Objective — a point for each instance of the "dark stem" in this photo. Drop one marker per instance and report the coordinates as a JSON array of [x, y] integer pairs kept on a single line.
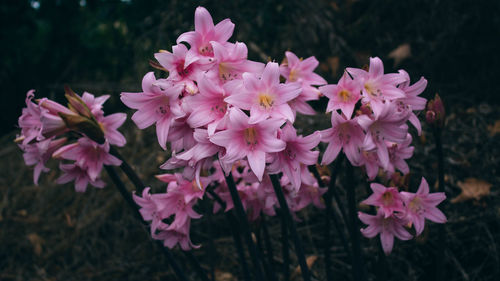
[[285, 247], [291, 226], [358, 270], [329, 214], [233, 222], [267, 241], [130, 202], [133, 177], [441, 241], [244, 226]]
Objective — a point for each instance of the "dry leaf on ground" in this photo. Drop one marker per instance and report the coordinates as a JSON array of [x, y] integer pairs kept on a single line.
[[401, 53], [472, 188], [310, 260], [37, 242], [495, 128]]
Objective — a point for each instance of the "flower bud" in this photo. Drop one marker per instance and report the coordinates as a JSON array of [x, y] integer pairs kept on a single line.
[[84, 125], [435, 113], [75, 103]]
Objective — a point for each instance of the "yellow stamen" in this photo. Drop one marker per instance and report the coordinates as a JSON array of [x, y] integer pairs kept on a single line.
[[294, 75], [250, 135], [345, 95], [387, 198], [265, 101]]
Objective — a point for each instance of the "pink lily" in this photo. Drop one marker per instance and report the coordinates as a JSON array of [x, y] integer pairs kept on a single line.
[[253, 141], [266, 97]]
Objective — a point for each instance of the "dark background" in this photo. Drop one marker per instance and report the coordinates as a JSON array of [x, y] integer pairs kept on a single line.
[[104, 46], [50, 232]]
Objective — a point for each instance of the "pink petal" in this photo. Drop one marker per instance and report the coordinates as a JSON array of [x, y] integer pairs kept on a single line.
[[203, 22], [257, 162]]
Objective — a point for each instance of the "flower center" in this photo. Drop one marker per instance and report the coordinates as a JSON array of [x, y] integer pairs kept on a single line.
[[225, 73], [183, 72], [372, 91], [266, 101], [387, 198], [344, 95], [415, 205], [250, 136], [206, 50], [294, 75]]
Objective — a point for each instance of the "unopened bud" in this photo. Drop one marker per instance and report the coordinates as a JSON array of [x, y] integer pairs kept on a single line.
[[84, 125], [75, 103], [435, 113]]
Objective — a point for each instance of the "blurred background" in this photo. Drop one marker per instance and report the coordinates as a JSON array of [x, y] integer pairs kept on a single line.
[[103, 47]]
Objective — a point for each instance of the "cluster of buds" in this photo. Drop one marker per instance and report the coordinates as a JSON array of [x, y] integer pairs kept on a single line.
[[399, 209], [78, 135], [220, 112], [370, 111]]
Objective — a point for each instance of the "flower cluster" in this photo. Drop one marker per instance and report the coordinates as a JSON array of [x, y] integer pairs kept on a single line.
[[219, 112], [44, 124], [396, 210], [370, 111]]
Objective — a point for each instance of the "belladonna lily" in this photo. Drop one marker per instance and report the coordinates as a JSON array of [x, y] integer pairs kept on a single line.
[[386, 198], [201, 50], [297, 152], [344, 134], [266, 97], [155, 105], [422, 205], [343, 95], [253, 141], [377, 87], [387, 227]]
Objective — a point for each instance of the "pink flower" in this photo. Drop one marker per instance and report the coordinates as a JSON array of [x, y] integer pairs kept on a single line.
[[298, 70], [386, 198], [172, 237], [397, 155], [29, 121], [297, 152], [180, 73], [378, 87], [387, 125], [39, 153], [79, 175], [344, 134], [244, 139], [204, 33], [208, 107], [343, 96], [388, 227], [266, 97], [422, 205], [88, 155], [155, 105], [149, 209], [231, 62], [369, 160], [412, 99]]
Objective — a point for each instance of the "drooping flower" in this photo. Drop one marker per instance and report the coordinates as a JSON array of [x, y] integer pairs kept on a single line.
[[266, 97], [387, 125], [253, 141], [79, 175], [344, 134], [422, 205], [387, 227], [297, 152], [88, 155], [39, 153]]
